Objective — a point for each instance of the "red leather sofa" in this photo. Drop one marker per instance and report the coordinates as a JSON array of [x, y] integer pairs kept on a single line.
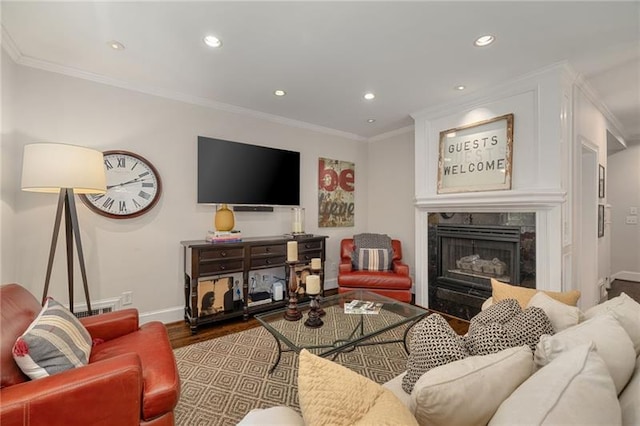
[[395, 283], [131, 378]]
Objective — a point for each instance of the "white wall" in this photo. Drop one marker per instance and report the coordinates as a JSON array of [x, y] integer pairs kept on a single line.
[[143, 255], [7, 182], [391, 190], [590, 150], [623, 192]]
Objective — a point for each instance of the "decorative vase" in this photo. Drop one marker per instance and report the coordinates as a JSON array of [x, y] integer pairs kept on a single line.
[[224, 220]]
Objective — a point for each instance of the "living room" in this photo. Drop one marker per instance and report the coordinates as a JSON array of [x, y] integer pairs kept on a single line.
[[395, 174]]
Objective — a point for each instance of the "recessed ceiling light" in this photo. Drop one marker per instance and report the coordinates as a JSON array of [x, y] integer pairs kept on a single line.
[[279, 92], [485, 40], [371, 120], [115, 45], [369, 96], [212, 41], [461, 87]]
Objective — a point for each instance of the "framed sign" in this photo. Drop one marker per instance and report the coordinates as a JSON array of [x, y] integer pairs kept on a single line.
[[336, 188], [600, 220], [600, 181], [476, 157]]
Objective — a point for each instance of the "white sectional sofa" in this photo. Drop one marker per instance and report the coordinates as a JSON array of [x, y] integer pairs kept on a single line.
[[587, 373]]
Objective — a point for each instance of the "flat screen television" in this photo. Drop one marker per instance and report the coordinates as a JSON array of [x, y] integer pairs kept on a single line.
[[239, 173]]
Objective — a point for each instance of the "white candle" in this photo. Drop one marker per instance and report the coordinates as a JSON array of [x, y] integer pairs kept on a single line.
[[313, 284], [292, 251], [297, 227], [316, 264]]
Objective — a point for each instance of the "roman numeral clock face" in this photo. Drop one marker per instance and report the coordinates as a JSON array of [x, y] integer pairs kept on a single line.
[[133, 186]]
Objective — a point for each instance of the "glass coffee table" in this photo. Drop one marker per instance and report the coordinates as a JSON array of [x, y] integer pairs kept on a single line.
[[341, 332]]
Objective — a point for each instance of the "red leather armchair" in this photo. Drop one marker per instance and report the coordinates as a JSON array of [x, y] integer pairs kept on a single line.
[[395, 283], [131, 378]]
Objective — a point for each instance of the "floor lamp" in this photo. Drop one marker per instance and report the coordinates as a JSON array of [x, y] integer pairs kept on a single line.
[[64, 169]]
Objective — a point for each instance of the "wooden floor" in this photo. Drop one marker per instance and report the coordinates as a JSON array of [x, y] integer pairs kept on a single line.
[[180, 332]]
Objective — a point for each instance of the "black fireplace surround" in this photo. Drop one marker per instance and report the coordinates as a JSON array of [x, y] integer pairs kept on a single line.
[[464, 258]]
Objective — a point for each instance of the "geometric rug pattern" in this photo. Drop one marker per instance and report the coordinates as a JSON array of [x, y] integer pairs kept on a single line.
[[223, 379]]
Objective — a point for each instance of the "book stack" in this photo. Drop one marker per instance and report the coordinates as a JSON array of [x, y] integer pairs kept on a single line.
[[223, 236]]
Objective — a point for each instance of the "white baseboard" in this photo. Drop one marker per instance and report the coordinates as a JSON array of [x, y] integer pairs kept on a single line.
[[626, 275], [164, 315], [331, 284]]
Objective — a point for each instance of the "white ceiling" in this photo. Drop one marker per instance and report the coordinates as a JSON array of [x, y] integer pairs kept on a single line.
[[326, 55]]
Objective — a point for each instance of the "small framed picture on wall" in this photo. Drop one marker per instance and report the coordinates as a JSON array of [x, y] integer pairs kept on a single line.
[[600, 220], [600, 181]]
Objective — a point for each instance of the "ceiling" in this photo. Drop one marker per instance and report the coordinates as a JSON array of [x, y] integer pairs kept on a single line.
[[326, 55]]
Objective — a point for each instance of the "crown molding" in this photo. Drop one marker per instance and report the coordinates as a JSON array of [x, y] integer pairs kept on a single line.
[[392, 133], [20, 59]]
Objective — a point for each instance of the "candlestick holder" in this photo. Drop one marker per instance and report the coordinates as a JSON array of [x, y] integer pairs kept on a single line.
[[292, 313], [314, 320], [318, 298]]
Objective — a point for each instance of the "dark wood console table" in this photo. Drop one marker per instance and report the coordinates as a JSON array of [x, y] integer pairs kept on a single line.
[[209, 261]]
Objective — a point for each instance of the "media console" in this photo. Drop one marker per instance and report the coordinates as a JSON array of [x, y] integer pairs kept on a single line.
[[206, 262]]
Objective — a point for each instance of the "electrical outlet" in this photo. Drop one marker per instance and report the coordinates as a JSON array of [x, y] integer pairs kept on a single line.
[[633, 211], [632, 220], [127, 298]]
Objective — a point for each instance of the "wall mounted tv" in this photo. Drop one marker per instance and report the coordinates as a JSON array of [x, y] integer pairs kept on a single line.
[[240, 173]]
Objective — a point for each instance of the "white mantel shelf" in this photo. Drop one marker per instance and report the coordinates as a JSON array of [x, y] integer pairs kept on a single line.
[[521, 201]]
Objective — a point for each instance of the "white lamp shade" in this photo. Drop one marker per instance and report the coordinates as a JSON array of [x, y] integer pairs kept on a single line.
[[48, 167]]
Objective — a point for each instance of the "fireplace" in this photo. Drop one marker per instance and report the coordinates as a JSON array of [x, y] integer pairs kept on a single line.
[[465, 256]]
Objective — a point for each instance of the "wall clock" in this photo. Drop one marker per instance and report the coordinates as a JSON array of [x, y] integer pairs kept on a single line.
[[133, 186]]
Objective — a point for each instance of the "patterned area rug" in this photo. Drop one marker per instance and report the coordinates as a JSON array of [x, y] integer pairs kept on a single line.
[[224, 378]]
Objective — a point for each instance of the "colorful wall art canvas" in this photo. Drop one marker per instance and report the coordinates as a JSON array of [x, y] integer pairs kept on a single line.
[[336, 187]]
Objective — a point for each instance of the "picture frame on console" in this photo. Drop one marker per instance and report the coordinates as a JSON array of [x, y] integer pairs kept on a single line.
[[476, 156], [215, 296]]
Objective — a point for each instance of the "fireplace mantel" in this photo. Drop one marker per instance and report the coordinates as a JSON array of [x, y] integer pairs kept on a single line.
[[520, 201]]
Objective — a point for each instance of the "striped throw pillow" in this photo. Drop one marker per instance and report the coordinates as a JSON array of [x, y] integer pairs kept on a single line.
[[366, 259], [54, 342]]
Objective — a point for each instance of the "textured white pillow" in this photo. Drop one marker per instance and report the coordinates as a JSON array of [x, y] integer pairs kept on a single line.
[[562, 316], [331, 394], [469, 391], [280, 415], [630, 399], [626, 311], [610, 339], [574, 389]]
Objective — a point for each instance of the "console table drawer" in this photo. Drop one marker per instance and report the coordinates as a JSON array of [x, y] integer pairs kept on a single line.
[[272, 249], [308, 255], [219, 267], [309, 245], [268, 261], [221, 253]]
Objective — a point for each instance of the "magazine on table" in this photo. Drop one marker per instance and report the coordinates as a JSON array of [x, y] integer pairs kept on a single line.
[[362, 307]]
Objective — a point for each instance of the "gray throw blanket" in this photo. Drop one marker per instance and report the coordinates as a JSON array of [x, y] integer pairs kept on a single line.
[[366, 240]]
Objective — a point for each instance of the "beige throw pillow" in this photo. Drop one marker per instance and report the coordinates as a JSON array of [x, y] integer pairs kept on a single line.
[[469, 391], [626, 311], [610, 340], [574, 389], [331, 394], [562, 316], [502, 291]]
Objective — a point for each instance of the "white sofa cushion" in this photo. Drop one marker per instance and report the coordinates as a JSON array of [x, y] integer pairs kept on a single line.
[[626, 311], [280, 416], [574, 389], [611, 341], [469, 391], [562, 316], [630, 399]]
